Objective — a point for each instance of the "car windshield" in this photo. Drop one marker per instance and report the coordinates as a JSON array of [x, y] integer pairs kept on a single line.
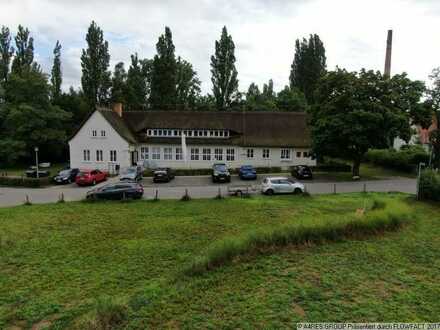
[[221, 168], [65, 172], [129, 170], [83, 173], [247, 167]]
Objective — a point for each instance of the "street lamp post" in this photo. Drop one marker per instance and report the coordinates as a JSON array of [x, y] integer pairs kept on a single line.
[[419, 171], [36, 161]]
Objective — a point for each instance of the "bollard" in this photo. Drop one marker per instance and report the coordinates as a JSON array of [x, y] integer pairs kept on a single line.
[[27, 201], [334, 188], [156, 197], [365, 187]]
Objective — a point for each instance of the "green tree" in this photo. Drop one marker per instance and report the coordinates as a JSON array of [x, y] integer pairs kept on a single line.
[[30, 119], [24, 53], [95, 80], [188, 85], [358, 111], [433, 104], [6, 52], [291, 99], [138, 83], [74, 103], [164, 74], [119, 84], [224, 74], [309, 65], [56, 78]]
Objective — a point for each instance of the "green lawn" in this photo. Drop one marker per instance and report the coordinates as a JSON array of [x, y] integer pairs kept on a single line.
[[56, 260]]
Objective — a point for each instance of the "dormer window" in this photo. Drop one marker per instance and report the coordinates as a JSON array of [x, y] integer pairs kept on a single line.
[[199, 133], [94, 133]]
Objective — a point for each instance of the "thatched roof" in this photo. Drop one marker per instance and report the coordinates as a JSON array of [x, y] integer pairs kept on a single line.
[[264, 129]]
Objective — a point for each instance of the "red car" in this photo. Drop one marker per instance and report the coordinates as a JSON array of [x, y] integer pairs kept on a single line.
[[90, 177]]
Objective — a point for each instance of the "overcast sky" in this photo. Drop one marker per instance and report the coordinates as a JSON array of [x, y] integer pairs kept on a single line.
[[264, 32]]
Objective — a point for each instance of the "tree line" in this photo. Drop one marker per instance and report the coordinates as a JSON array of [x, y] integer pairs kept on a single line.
[[36, 111], [350, 112]]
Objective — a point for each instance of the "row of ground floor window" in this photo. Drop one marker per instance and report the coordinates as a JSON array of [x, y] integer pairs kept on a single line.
[[193, 153]]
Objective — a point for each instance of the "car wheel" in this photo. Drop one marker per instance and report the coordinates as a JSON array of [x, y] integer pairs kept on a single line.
[[297, 191], [269, 192]]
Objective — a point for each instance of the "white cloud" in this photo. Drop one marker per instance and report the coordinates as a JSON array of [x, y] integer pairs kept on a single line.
[[264, 32]]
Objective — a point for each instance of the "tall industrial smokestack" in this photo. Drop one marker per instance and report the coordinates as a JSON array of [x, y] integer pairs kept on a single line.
[[387, 71]]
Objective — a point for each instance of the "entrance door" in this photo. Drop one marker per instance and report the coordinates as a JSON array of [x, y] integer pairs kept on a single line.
[[134, 158]]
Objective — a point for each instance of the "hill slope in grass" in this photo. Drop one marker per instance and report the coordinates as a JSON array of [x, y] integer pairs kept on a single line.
[[75, 265]]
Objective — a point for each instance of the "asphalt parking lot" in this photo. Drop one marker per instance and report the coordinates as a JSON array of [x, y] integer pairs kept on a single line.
[[197, 187]]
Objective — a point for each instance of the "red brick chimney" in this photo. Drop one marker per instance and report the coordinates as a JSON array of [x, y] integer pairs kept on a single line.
[[117, 107], [387, 70]]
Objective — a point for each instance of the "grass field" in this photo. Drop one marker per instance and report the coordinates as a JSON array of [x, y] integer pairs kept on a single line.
[[61, 263]]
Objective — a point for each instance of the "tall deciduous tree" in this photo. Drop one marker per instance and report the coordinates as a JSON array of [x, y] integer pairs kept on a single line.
[[56, 78], [95, 80], [6, 52], [164, 74], [119, 84], [309, 65], [24, 53], [138, 83], [358, 111], [31, 120], [188, 85], [224, 74]]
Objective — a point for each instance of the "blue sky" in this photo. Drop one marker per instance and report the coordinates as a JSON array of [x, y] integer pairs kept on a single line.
[[354, 32]]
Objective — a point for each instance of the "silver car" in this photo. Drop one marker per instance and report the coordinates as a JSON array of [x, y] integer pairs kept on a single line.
[[281, 185], [133, 173]]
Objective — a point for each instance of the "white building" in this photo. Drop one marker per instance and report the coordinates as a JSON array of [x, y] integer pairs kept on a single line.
[[154, 138]]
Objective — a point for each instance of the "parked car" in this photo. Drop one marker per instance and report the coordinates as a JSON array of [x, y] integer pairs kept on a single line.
[[66, 176], [247, 172], [32, 173], [163, 175], [120, 190], [281, 185], [302, 172], [90, 177], [133, 173], [220, 173]]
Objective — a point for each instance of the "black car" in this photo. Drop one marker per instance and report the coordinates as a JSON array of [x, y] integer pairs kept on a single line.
[[32, 173], [220, 173], [117, 191], [302, 172], [163, 175], [66, 176]]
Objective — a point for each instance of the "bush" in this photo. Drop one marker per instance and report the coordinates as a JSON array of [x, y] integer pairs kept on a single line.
[[430, 185], [12, 181], [404, 160], [379, 219], [110, 314]]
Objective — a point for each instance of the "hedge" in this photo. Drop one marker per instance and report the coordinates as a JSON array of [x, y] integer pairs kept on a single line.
[[404, 160], [16, 181], [430, 185]]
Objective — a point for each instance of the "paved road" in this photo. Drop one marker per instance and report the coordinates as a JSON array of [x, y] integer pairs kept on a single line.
[[198, 187]]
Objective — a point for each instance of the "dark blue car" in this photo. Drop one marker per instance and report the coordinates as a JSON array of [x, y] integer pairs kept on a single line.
[[247, 172]]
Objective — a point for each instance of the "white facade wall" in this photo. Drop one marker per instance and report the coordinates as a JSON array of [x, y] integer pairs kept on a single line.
[[297, 157], [85, 140]]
